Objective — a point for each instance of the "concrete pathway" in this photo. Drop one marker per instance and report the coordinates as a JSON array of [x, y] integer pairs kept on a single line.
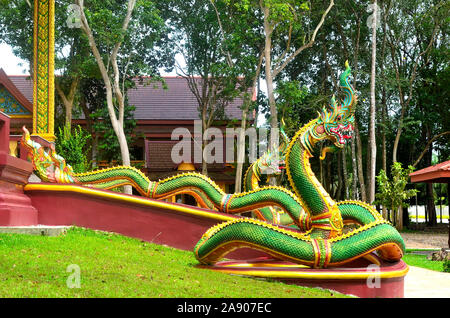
[[45, 230], [425, 240], [425, 283]]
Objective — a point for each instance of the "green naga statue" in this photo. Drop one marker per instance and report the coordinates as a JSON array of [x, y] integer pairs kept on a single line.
[[319, 240], [323, 243]]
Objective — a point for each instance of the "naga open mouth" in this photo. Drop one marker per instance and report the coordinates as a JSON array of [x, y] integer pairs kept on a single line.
[[343, 133]]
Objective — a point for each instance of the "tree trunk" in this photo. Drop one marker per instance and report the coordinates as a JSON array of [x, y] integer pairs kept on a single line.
[[95, 151], [328, 175], [321, 178], [448, 205], [432, 221], [384, 112], [431, 209], [117, 123], [354, 172], [405, 217], [240, 153], [393, 216], [383, 140], [94, 139], [204, 141], [360, 164], [68, 99], [356, 142], [68, 120], [340, 181], [344, 171], [399, 221], [372, 122], [241, 142], [430, 205], [268, 70]]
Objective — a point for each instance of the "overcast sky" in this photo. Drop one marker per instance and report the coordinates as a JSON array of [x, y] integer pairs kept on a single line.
[[10, 63], [13, 65]]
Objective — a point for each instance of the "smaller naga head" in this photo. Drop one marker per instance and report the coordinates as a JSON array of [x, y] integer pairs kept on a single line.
[[41, 160], [267, 164], [335, 122], [48, 165], [273, 161]]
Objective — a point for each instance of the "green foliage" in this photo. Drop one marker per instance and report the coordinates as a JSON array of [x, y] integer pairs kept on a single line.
[[447, 266], [108, 144], [291, 95], [220, 55], [392, 192], [145, 44], [72, 145], [422, 261], [280, 10]]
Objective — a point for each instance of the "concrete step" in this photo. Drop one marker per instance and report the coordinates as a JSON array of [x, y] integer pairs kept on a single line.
[[44, 230]]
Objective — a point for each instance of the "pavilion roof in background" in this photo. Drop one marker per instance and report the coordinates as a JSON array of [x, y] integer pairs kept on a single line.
[[152, 102], [175, 102], [439, 173]]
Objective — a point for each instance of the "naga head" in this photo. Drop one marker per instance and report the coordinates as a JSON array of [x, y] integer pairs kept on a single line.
[[335, 121], [48, 165], [41, 160], [273, 160]]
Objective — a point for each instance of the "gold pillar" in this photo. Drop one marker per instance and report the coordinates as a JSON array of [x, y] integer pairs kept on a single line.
[[44, 67]]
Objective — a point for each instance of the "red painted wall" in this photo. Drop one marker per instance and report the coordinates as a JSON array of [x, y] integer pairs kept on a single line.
[[153, 224]]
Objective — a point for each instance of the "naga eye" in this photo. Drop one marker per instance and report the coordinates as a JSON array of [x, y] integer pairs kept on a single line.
[[339, 118]]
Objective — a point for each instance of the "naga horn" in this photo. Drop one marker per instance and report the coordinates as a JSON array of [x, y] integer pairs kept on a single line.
[[349, 101]]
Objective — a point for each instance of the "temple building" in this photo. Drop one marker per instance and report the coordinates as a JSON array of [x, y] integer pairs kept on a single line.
[[158, 112]]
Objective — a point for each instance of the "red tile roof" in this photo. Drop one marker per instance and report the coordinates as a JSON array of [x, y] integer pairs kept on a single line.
[[436, 173], [151, 101], [175, 102]]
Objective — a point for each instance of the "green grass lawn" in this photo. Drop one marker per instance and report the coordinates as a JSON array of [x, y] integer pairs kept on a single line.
[[422, 261], [112, 265]]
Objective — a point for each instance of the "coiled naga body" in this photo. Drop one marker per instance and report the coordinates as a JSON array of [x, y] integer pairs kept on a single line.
[[323, 243], [318, 241]]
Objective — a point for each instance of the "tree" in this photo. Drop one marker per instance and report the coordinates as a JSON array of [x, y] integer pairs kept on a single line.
[[342, 37], [211, 79], [107, 147], [92, 101], [244, 55], [393, 193], [280, 20], [416, 36], [115, 32], [291, 97], [112, 87], [410, 51], [372, 141]]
